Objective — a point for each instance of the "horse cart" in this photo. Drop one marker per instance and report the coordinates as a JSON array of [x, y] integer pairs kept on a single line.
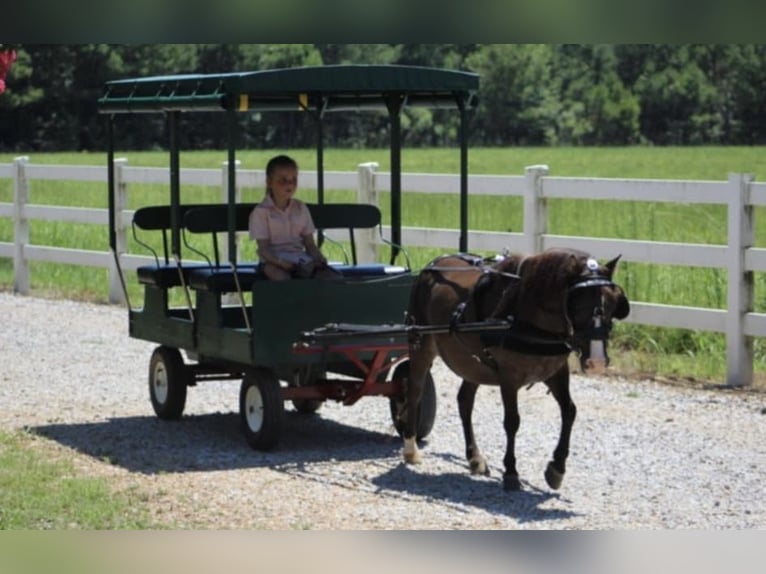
[[304, 340]]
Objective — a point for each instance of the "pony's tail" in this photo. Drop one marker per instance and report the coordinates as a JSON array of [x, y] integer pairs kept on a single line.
[[415, 300]]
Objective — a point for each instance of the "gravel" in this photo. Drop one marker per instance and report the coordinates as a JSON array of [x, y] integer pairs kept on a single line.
[[644, 455]]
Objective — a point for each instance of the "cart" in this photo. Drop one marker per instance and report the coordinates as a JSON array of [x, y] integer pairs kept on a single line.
[[278, 344]]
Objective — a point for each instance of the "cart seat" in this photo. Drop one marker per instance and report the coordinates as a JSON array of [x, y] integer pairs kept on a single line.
[[221, 279], [213, 219], [167, 276], [164, 272]]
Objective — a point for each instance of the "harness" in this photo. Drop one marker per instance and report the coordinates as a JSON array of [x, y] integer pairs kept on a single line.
[[519, 336]]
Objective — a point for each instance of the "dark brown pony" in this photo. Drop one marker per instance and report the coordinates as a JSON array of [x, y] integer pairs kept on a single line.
[[555, 302]]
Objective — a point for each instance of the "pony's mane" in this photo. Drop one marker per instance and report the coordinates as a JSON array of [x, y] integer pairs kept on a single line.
[[544, 280]]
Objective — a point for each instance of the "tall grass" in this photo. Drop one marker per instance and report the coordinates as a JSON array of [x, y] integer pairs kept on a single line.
[[667, 350]]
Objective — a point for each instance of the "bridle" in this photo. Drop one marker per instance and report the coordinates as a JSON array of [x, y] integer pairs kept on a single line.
[[600, 328]]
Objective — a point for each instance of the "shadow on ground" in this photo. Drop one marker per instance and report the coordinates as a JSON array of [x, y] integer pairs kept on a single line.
[[213, 442]]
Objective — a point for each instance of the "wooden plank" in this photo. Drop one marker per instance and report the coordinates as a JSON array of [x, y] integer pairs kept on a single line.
[[755, 324], [66, 214], [677, 316], [69, 256], [669, 191], [66, 172], [755, 259]]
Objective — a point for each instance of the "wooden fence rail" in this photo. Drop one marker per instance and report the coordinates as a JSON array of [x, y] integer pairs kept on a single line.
[[739, 194]]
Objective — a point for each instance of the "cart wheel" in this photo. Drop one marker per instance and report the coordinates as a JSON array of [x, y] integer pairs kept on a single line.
[[307, 406], [426, 409], [260, 409], [168, 379]]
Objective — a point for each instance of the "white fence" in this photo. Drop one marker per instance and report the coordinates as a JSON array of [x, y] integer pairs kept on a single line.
[[739, 258]]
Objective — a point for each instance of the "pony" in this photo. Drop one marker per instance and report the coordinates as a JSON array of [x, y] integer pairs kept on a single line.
[[537, 309]]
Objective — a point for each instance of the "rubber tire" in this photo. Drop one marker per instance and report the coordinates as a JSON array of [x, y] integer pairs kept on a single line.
[[168, 381], [307, 406], [426, 409], [261, 409]]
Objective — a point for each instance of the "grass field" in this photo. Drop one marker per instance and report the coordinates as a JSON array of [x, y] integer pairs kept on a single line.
[[42, 492], [667, 351]]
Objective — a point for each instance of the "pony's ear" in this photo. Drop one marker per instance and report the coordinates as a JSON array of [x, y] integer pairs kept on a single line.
[[612, 265], [622, 309]]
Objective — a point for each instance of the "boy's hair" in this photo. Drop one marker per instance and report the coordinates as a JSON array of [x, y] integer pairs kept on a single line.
[[280, 161]]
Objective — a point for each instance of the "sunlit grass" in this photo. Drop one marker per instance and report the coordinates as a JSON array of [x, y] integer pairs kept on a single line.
[[40, 492]]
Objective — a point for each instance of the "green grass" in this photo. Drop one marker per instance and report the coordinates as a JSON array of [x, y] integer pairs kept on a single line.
[[39, 492], [672, 351]]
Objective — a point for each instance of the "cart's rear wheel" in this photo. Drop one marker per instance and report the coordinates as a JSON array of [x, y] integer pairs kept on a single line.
[[307, 406], [168, 379], [260, 409], [426, 409]]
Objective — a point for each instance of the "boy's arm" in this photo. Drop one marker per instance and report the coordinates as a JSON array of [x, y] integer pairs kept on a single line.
[[313, 250]]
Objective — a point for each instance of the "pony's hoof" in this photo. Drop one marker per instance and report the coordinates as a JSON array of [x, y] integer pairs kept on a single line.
[[411, 451], [511, 483], [412, 458], [553, 477], [478, 465]]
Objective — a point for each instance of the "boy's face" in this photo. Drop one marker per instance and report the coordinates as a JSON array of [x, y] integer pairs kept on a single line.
[[283, 182]]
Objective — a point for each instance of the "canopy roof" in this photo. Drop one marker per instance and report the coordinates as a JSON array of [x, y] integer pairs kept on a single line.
[[315, 88]]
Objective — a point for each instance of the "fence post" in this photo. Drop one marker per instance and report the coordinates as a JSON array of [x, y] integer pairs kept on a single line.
[[739, 347], [116, 294], [20, 226], [367, 240], [535, 208]]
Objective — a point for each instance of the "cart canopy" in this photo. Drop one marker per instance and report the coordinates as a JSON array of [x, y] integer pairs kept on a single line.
[[311, 88]]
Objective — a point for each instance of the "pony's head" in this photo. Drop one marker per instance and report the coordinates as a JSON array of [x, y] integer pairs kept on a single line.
[[568, 293], [593, 302]]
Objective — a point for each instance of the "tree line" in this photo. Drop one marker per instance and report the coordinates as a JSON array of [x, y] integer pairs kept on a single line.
[[545, 94]]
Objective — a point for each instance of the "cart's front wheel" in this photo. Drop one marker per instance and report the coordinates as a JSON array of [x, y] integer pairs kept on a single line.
[[260, 409], [426, 409], [168, 380]]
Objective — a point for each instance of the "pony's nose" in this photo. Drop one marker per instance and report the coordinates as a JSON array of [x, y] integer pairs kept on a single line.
[[596, 362]]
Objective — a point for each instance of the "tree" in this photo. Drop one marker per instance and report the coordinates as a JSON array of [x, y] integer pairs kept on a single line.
[[595, 106], [517, 104]]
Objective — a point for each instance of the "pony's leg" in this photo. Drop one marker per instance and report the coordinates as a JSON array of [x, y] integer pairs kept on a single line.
[[559, 386], [465, 399], [421, 359], [511, 420]]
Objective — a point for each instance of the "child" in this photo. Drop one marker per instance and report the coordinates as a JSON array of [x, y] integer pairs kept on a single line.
[[283, 229]]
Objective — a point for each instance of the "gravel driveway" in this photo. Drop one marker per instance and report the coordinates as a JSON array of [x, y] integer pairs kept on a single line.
[[643, 455]]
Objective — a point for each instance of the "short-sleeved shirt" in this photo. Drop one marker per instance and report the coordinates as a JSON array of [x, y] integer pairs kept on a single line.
[[284, 229]]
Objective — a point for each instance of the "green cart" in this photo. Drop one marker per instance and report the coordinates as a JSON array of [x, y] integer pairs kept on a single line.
[[264, 338]]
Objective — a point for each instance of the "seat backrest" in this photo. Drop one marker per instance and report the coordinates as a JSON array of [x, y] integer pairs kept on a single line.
[[349, 216], [157, 218], [344, 215], [214, 218]]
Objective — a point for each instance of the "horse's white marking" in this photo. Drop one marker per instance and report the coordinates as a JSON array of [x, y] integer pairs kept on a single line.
[[596, 362], [411, 452]]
